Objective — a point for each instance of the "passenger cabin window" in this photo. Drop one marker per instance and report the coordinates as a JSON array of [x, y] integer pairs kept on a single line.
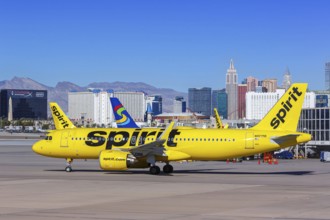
[[48, 138]]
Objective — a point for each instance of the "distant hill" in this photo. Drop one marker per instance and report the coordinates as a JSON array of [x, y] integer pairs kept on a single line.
[[59, 93]]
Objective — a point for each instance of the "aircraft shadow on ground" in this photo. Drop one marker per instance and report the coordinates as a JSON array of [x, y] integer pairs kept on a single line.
[[195, 171], [295, 173]]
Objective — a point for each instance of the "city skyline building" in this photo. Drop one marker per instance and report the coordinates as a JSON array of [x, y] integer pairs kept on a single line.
[[242, 90], [156, 104], [90, 107], [219, 101], [258, 104], [286, 79], [252, 83], [135, 103], [22, 103], [322, 101], [231, 89], [310, 100], [179, 105], [199, 100], [316, 121], [94, 106], [327, 76], [270, 85]]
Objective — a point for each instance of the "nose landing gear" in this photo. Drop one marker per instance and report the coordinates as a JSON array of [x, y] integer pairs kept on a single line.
[[68, 167]]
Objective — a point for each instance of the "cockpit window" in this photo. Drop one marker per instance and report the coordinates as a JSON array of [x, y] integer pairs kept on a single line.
[[49, 138]]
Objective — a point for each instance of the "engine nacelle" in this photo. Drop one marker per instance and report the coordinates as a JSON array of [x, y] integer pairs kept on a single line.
[[116, 160]]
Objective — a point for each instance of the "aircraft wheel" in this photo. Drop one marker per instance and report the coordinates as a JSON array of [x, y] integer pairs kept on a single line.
[[154, 170], [68, 169], [168, 168]]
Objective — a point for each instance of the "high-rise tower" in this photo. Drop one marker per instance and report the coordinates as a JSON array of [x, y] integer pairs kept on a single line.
[[327, 76], [199, 100], [286, 79], [270, 85], [231, 89], [252, 83]]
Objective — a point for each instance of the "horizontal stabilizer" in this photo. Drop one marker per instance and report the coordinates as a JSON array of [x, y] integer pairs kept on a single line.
[[282, 139]]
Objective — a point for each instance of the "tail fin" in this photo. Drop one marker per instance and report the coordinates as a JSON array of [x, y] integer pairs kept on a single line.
[[123, 119], [220, 125], [61, 121], [285, 113]]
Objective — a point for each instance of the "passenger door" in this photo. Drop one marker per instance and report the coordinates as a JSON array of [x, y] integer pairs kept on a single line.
[[249, 140], [64, 139]]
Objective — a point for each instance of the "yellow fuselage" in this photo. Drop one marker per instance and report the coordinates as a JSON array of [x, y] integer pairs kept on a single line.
[[185, 143]]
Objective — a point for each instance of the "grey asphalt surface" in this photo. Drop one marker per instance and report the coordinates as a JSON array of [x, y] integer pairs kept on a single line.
[[36, 187]]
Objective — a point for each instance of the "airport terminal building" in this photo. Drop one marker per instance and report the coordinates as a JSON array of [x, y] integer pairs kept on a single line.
[[94, 106], [19, 103], [316, 121]]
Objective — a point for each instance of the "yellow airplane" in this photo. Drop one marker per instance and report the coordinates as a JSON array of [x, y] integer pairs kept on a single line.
[[220, 125], [124, 148]]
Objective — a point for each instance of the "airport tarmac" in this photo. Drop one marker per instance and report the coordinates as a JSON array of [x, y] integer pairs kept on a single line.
[[36, 187]]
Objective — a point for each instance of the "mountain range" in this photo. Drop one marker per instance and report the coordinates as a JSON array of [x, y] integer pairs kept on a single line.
[[59, 93]]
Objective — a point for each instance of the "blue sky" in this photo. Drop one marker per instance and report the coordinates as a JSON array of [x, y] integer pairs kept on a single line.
[[169, 44]]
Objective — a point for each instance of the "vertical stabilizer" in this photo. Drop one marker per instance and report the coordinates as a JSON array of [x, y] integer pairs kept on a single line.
[[218, 121], [123, 119], [61, 121], [285, 113]]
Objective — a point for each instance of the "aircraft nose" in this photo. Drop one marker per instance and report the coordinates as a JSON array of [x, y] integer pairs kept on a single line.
[[37, 148]]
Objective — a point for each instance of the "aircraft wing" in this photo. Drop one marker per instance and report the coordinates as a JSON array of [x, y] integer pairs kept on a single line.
[[285, 138], [155, 148]]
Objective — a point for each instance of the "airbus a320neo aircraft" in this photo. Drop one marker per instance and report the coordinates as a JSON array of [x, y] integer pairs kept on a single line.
[[124, 148]]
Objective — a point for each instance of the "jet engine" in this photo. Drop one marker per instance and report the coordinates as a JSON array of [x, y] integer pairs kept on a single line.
[[116, 160]]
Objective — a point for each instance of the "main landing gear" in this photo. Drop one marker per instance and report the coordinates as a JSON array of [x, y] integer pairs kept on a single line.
[[68, 167], [168, 168], [155, 170]]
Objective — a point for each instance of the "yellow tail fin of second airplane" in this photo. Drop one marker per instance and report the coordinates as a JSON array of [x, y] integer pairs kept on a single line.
[[61, 121], [285, 113], [220, 125]]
